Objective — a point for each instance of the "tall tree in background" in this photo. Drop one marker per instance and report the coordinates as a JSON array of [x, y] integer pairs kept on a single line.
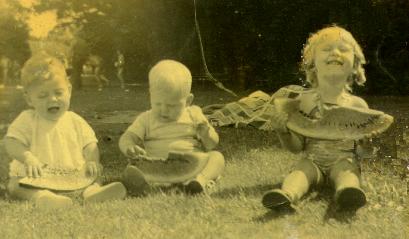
[[13, 38], [250, 40]]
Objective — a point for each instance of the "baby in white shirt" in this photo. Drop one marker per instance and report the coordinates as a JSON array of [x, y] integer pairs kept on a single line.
[[50, 135]]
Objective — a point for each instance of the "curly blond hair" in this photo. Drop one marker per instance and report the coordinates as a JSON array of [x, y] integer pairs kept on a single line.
[[41, 67], [307, 64]]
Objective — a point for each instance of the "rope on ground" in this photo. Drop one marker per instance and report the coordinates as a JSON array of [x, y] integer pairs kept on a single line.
[[207, 72]]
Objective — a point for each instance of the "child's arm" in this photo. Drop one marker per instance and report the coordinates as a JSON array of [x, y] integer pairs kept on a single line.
[[207, 135], [131, 145], [17, 150], [288, 139], [291, 141], [91, 156], [204, 131], [364, 148]]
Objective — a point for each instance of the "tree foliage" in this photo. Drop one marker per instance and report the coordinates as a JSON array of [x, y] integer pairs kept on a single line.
[[258, 40], [13, 38], [268, 36]]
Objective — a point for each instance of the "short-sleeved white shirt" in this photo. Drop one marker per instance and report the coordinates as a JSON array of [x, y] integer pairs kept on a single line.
[[55, 143], [159, 137]]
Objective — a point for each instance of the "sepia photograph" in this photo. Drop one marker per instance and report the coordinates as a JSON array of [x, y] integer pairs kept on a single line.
[[204, 119]]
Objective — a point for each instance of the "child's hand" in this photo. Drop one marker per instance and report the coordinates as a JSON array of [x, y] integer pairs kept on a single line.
[[93, 168], [279, 121], [201, 123], [33, 166], [202, 130], [372, 135], [365, 148], [134, 151]]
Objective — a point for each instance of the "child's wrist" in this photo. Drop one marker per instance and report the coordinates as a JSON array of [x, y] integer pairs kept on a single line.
[[283, 131], [30, 159], [205, 126], [28, 156], [92, 163], [203, 135]]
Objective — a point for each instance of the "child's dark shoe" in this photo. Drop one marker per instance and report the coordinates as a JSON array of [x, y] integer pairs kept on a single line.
[[200, 185], [277, 199], [350, 199], [194, 187], [134, 181]]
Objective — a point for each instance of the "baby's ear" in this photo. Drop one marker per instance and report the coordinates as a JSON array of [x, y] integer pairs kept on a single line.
[[189, 99], [27, 98], [70, 88]]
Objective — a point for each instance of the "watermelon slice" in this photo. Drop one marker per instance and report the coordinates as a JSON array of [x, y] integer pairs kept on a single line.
[[335, 122], [60, 179], [177, 168], [339, 123]]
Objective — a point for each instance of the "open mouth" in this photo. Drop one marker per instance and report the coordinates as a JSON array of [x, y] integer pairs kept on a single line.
[[165, 118], [53, 109], [335, 62]]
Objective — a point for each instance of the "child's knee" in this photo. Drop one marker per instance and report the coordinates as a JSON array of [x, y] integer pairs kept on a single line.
[[308, 170], [346, 178], [298, 179], [14, 189], [12, 186], [216, 158], [347, 168]]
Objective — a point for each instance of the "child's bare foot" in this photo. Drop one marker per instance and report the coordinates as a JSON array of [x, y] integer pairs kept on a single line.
[[48, 200], [112, 191]]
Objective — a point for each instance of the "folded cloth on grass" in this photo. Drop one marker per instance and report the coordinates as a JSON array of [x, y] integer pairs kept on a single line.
[[254, 110]]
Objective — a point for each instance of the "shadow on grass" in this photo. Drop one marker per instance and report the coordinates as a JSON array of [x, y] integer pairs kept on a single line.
[[271, 215], [321, 194], [332, 212], [339, 216], [251, 191], [166, 189], [246, 191]]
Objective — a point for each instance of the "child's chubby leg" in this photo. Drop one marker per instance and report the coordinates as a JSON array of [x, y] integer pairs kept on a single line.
[[206, 179], [43, 199], [214, 167], [134, 181], [97, 193], [294, 186], [345, 175]]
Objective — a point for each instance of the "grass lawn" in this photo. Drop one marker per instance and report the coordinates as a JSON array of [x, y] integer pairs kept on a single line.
[[254, 164]]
